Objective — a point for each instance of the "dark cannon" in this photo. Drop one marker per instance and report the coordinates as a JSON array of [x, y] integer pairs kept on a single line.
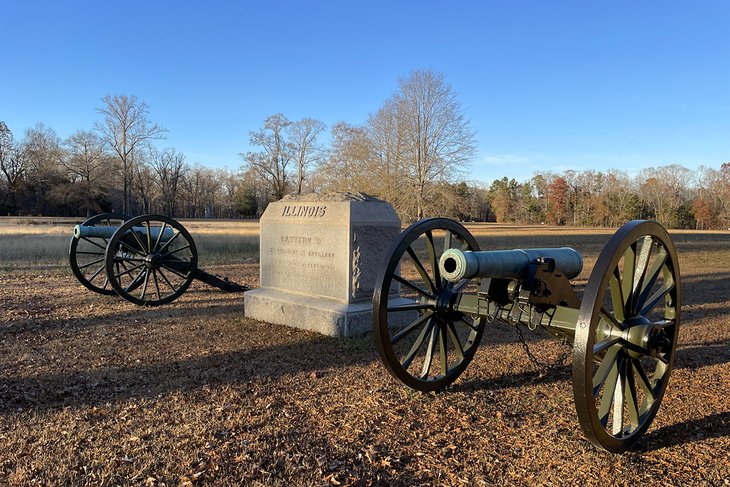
[[148, 260], [438, 292]]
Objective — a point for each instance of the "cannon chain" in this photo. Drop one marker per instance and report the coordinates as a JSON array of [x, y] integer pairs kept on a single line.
[[438, 292], [148, 260]]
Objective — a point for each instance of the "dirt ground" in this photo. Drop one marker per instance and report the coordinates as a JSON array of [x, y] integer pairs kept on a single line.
[[97, 391]]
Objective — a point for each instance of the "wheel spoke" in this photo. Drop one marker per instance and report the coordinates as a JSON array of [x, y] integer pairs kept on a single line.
[[89, 253], [135, 281], [159, 237], [653, 274], [631, 395], [431, 248], [146, 281], [413, 286], [628, 275], [444, 350], [447, 240], [167, 281], [408, 307], [98, 271], [608, 392], [470, 325], [642, 264], [644, 382], [416, 345], [617, 296], [93, 243], [167, 244], [664, 323], [618, 402], [428, 359], [606, 313], [141, 245], [605, 344], [149, 236], [177, 273], [157, 284], [176, 250], [455, 340], [411, 326], [131, 249], [652, 301], [662, 359], [90, 263], [599, 377], [127, 271], [421, 270]]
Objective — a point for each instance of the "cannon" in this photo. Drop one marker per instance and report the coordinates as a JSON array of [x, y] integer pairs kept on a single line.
[[148, 260], [437, 292]]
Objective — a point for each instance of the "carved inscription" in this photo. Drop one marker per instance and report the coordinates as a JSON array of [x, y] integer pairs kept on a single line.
[[310, 260], [304, 211]]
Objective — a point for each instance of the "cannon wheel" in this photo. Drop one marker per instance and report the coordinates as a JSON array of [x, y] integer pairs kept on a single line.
[[626, 335], [86, 254], [423, 343], [151, 260]]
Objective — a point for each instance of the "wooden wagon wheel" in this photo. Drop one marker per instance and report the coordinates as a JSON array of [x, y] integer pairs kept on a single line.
[[86, 254], [151, 260], [626, 335], [423, 343]]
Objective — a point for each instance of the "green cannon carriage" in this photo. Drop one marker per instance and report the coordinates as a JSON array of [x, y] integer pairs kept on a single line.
[[437, 293], [148, 260]]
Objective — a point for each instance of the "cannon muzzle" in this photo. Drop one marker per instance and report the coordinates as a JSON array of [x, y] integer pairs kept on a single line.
[[456, 265]]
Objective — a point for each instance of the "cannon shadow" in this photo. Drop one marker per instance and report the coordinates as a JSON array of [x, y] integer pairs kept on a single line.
[[99, 386]]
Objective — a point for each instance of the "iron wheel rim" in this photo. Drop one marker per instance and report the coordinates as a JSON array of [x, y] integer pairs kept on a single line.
[[150, 269], [93, 270], [438, 330], [617, 392]]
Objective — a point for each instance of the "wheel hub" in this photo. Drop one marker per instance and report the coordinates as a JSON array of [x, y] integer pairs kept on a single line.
[[153, 261], [445, 306], [646, 337]]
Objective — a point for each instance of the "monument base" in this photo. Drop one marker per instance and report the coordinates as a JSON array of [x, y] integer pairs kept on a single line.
[[325, 316]]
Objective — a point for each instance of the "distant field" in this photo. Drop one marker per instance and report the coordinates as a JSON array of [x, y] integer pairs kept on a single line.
[[42, 243], [35, 243]]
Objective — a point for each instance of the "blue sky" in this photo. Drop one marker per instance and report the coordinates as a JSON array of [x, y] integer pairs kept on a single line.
[[546, 85]]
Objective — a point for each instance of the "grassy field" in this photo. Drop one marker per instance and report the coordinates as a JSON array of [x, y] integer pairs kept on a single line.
[[96, 391], [30, 244]]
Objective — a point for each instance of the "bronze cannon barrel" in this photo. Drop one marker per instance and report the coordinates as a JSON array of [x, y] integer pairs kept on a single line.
[[89, 231], [505, 264]]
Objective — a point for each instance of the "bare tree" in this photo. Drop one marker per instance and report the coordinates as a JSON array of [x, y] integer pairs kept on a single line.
[[347, 165], [126, 129], [665, 190], [303, 135], [42, 153], [388, 144], [89, 168], [145, 186], [272, 162], [168, 166], [12, 165], [424, 122]]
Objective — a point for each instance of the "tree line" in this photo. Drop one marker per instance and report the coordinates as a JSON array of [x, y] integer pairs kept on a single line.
[[673, 195], [414, 151]]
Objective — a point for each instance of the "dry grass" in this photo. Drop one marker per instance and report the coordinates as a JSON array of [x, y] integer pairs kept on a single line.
[[96, 391]]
